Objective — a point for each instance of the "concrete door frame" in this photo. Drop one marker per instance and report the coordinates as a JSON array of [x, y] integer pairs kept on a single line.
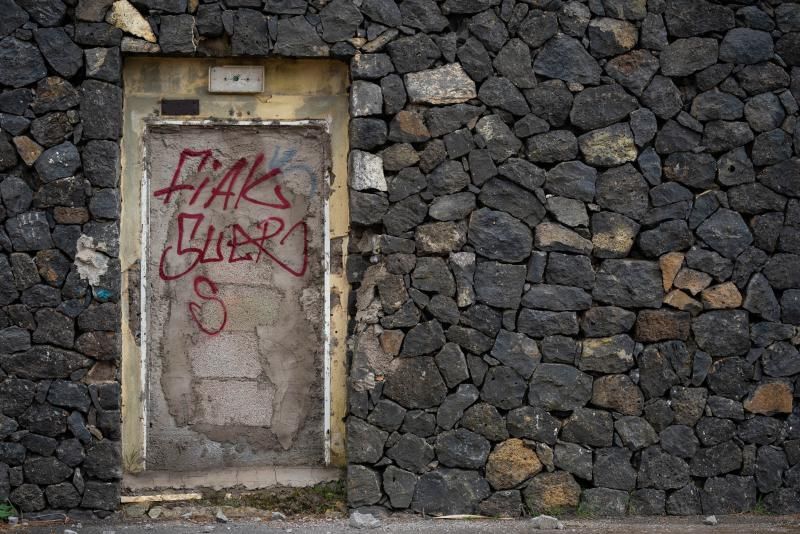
[[295, 94]]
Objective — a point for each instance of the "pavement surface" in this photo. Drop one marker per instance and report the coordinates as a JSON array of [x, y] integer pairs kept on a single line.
[[736, 524]]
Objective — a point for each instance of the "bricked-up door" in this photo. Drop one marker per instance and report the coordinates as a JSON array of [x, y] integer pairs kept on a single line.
[[234, 289]]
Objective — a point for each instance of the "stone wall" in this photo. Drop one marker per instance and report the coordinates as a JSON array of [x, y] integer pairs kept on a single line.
[[575, 246]]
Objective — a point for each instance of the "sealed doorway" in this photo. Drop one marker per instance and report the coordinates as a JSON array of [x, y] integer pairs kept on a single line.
[[232, 237]]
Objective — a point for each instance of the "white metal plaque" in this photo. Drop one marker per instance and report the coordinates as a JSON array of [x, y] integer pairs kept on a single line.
[[236, 79]]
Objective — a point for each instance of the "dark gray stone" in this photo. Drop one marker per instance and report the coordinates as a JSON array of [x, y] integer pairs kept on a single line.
[[647, 502], [503, 387], [533, 423], [505, 503], [629, 283], [635, 432], [729, 495], [57, 162], [399, 486], [101, 495], [557, 387], [452, 409], [64, 56], [594, 428], [20, 63], [612, 469], [552, 147], [746, 46], [475, 59], [415, 383], [666, 237], [634, 71], [514, 63], [538, 324], [499, 236], [363, 486], [45, 470], [556, 298], [484, 419], [675, 138], [424, 338], [560, 349], [574, 459], [685, 18], [720, 136], [414, 53], [411, 452], [462, 448], [564, 58], [537, 27], [679, 440], [28, 497], [661, 470], [517, 351], [624, 191], [717, 460], [452, 364], [103, 460], [449, 491], [726, 232], [729, 377], [365, 443], [369, 208], [685, 501], [781, 359], [63, 496], [597, 107], [722, 332], [760, 430], [101, 110]]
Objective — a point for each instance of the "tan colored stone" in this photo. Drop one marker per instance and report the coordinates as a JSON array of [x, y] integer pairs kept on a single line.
[[722, 296], [104, 371], [770, 398], [618, 393], [449, 84], [28, 149], [510, 464], [391, 341], [609, 146], [64, 215], [138, 46], [680, 300], [377, 44], [128, 19], [692, 281], [409, 126], [670, 265], [662, 325], [552, 492]]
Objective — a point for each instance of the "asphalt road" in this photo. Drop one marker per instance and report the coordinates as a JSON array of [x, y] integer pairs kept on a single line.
[[738, 524]]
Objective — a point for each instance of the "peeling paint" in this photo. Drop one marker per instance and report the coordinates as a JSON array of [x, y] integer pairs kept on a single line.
[[91, 263]]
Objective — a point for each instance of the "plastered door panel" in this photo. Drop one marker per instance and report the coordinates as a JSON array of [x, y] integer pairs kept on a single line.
[[235, 294]]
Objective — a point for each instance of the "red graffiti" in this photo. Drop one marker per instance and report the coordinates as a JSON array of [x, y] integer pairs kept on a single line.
[[195, 309], [199, 241]]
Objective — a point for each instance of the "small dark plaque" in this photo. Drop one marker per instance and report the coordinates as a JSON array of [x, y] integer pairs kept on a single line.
[[180, 107]]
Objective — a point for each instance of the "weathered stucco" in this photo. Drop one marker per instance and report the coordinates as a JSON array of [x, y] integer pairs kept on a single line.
[[234, 295]]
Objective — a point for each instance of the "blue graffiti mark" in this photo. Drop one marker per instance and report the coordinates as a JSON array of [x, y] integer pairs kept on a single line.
[[102, 294], [280, 159]]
